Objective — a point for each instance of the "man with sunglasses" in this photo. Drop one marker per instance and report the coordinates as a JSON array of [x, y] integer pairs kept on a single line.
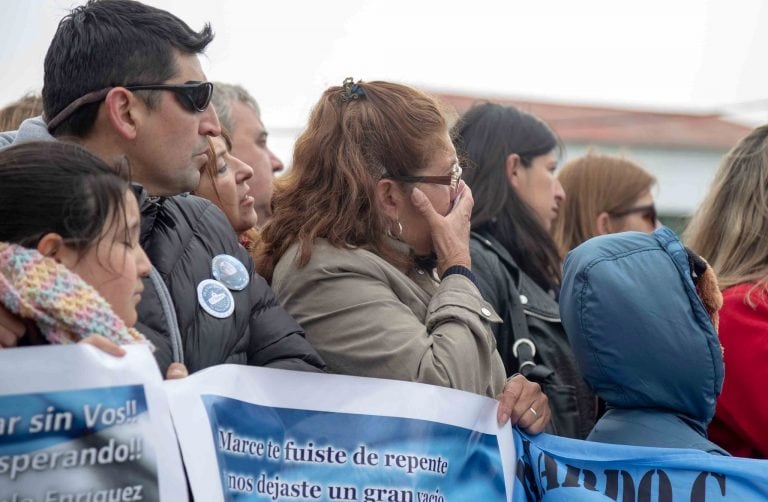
[[124, 81]]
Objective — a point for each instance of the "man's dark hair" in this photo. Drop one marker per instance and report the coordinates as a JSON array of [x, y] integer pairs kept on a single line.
[[108, 43]]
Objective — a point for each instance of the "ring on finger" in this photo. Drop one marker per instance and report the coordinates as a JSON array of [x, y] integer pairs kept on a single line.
[[535, 413]]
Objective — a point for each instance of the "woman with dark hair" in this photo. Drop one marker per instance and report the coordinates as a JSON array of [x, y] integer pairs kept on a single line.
[[368, 249], [512, 157], [70, 262]]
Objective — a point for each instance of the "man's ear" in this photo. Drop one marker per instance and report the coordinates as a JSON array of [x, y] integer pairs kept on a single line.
[[512, 165], [389, 198], [124, 111], [53, 246], [603, 224]]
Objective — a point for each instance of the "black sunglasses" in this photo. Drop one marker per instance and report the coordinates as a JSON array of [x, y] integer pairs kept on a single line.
[[194, 96], [647, 212]]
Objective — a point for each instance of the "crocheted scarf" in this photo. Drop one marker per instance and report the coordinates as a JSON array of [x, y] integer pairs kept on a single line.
[[64, 307]]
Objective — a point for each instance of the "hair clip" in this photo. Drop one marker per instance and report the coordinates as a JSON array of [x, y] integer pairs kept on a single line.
[[351, 90]]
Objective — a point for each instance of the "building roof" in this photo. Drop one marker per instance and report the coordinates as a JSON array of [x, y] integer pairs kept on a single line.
[[621, 126]]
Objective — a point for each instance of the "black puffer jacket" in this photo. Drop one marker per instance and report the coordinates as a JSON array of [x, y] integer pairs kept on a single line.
[[529, 312], [181, 235]]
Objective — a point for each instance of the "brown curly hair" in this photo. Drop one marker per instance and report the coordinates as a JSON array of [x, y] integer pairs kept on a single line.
[[350, 143]]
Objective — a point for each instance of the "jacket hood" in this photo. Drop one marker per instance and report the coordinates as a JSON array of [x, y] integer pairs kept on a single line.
[[33, 129], [638, 329]]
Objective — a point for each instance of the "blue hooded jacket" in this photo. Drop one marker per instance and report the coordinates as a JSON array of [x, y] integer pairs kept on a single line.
[[643, 340]]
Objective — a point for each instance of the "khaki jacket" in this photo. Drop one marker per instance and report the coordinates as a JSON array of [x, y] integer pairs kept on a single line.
[[367, 318]]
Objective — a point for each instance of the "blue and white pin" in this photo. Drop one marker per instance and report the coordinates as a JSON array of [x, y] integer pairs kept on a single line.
[[230, 271], [215, 298]]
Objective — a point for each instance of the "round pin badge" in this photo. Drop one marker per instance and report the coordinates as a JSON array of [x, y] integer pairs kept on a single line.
[[230, 271], [215, 298]]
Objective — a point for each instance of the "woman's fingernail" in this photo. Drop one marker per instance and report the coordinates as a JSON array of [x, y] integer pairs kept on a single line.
[[418, 195], [504, 418]]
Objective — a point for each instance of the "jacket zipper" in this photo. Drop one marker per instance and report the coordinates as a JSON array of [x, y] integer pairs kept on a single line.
[[542, 317]]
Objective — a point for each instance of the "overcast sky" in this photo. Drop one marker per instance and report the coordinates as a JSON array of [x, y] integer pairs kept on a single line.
[[681, 54]]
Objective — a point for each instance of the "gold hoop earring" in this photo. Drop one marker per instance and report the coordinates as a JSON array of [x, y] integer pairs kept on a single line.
[[399, 231]]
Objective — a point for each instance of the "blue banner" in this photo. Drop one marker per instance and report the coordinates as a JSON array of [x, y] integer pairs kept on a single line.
[[80, 425], [76, 445], [276, 453], [552, 469]]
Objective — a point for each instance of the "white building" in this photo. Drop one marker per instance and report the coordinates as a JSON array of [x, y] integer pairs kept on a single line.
[[682, 150]]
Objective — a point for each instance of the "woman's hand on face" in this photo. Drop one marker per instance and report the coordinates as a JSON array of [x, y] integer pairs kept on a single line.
[[11, 329], [450, 233], [524, 404]]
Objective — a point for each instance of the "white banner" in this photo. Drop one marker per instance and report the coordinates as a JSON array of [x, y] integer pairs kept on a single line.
[[265, 434], [79, 424]]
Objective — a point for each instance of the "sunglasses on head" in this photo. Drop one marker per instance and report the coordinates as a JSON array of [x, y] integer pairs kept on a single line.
[[648, 212], [449, 179], [194, 96]]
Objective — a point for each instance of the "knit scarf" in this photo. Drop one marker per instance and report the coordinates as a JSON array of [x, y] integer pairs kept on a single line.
[[64, 307]]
